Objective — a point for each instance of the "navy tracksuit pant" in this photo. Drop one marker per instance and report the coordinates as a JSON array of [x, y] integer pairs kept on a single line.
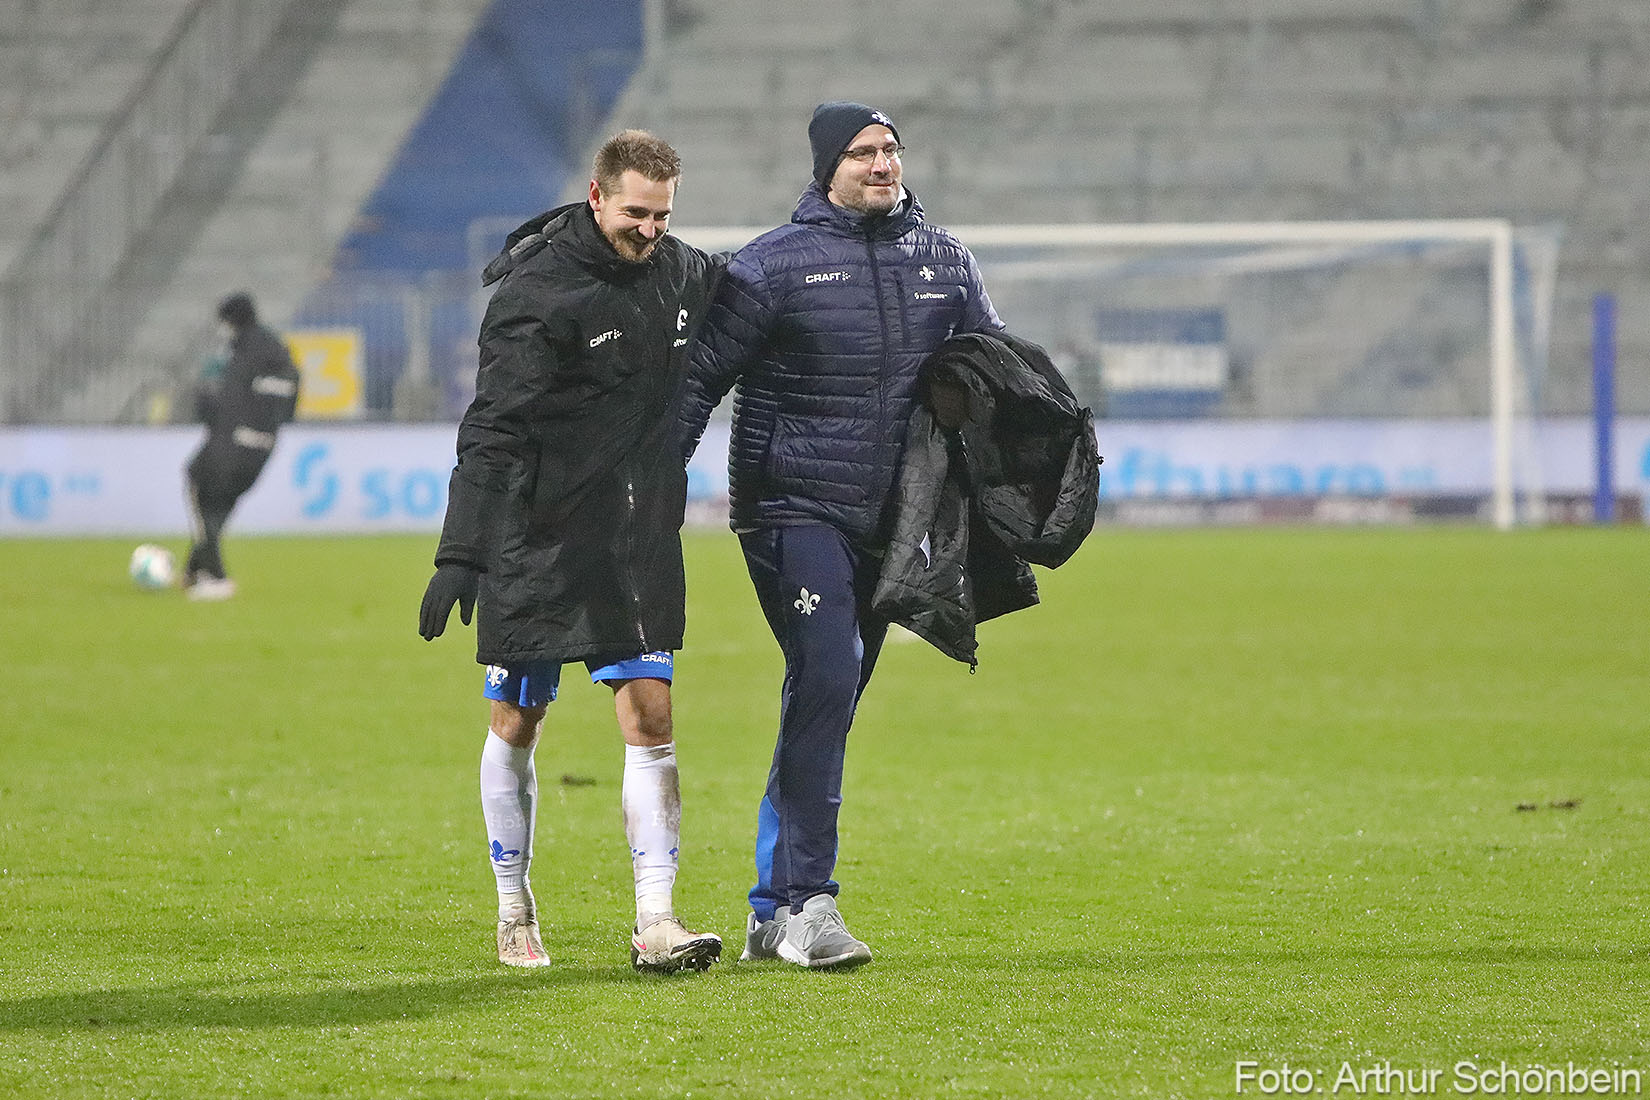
[[815, 590]]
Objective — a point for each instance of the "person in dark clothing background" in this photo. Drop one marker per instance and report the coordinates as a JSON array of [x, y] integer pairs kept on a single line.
[[243, 408], [822, 325], [564, 518]]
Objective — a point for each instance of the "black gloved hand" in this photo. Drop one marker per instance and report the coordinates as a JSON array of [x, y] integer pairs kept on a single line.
[[452, 583]]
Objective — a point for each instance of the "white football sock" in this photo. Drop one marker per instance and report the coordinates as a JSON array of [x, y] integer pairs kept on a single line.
[[509, 799], [652, 801]]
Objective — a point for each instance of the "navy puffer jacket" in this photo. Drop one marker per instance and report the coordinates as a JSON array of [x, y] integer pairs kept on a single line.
[[821, 325]]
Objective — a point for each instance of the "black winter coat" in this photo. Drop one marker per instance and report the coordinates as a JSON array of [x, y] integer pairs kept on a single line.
[[823, 323], [569, 488], [256, 393], [1000, 469]]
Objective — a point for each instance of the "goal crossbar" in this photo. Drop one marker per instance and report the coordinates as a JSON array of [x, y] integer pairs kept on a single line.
[[1495, 234]]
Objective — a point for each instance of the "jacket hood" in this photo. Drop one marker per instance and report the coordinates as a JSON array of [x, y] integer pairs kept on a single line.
[[573, 226], [813, 208], [528, 239]]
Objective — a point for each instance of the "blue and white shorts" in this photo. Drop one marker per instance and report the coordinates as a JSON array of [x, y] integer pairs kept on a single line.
[[534, 683]]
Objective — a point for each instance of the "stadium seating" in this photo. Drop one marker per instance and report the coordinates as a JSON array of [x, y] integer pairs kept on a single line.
[[1014, 111], [305, 175], [1178, 110], [70, 65]]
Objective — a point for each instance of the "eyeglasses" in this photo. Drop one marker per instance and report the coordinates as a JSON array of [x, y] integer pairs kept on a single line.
[[867, 154]]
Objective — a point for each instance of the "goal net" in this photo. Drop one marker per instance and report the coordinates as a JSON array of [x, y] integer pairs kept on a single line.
[[1283, 366]]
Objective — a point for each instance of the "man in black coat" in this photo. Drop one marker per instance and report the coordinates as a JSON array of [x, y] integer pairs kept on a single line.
[[564, 519], [242, 408]]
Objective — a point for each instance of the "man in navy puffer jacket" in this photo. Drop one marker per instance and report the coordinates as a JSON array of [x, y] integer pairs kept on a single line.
[[819, 329]]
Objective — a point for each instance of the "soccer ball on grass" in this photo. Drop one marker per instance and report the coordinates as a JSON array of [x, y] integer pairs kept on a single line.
[[153, 567]]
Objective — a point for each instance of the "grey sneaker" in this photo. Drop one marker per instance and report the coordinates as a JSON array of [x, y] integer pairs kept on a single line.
[[817, 938], [762, 937], [518, 939], [666, 946]]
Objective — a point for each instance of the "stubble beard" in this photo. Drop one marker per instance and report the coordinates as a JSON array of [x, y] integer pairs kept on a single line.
[[873, 202], [632, 248]]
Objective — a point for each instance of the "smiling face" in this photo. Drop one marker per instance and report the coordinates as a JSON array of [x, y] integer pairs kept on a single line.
[[867, 177], [635, 215]]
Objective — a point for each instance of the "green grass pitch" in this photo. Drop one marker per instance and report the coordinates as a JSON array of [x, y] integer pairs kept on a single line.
[[1225, 796]]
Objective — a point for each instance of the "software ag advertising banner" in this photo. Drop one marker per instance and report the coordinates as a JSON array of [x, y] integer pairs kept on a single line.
[[388, 478], [356, 479]]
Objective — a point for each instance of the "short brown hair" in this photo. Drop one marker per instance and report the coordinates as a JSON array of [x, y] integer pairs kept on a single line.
[[635, 150]]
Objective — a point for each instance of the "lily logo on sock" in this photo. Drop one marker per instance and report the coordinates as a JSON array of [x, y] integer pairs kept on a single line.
[[807, 603], [501, 853]]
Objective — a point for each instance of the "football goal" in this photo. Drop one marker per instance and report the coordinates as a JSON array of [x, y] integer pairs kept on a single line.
[[1391, 359]]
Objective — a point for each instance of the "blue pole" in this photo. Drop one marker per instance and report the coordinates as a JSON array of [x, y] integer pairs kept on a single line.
[[1604, 406]]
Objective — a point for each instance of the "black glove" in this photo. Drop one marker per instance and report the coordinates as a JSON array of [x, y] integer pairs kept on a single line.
[[452, 583]]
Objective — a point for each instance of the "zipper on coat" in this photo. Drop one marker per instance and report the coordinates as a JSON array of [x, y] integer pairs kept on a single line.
[[906, 331], [630, 560], [887, 354]]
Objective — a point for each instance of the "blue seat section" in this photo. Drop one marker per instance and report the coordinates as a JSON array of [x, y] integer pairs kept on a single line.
[[501, 140]]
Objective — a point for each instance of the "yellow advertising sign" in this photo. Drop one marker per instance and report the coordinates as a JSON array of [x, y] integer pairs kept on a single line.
[[329, 366]]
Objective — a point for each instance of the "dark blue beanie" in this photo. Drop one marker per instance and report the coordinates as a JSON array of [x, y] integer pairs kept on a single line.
[[833, 126]]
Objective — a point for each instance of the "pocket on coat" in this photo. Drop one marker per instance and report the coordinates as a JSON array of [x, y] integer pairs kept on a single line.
[[805, 458]]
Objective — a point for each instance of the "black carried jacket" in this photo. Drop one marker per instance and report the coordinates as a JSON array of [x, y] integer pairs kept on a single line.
[[569, 488], [1000, 469]]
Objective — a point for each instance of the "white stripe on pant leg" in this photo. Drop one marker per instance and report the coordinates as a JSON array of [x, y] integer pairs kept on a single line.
[[197, 522]]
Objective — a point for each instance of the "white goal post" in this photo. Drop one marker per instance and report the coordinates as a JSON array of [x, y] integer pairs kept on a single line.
[[1419, 305]]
